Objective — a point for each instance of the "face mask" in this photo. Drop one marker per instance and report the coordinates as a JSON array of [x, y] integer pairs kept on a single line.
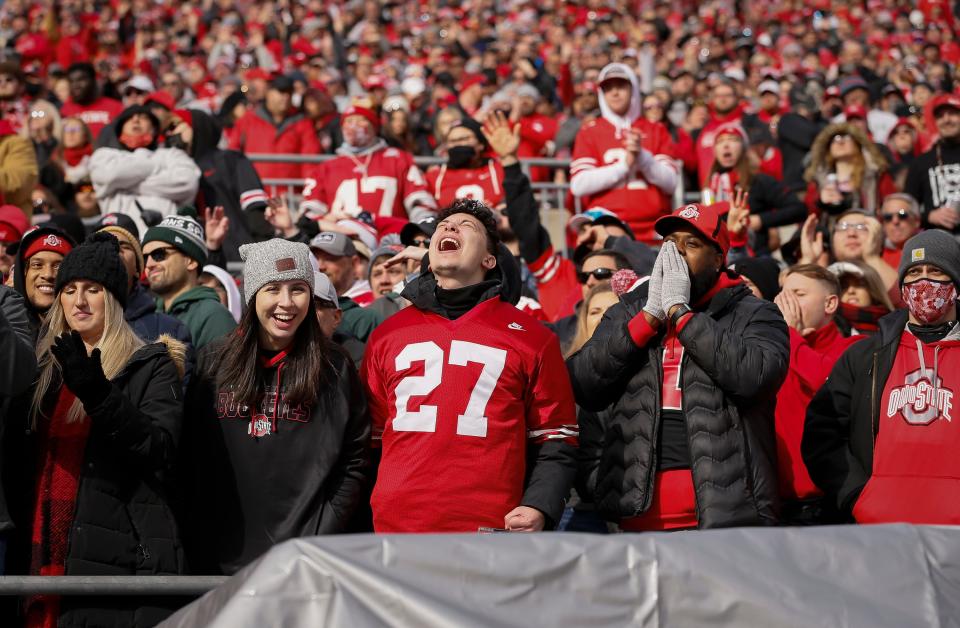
[[929, 300], [133, 142], [296, 100], [358, 137], [460, 156]]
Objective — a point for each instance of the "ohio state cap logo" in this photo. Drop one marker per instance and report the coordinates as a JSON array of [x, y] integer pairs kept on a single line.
[[110, 219], [52, 240], [690, 212]]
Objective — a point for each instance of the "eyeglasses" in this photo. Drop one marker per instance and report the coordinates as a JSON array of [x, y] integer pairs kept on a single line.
[[841, 137], [600, 274], [159, 255], [423, 243], [901, 214], [851, 226], [38, 114]]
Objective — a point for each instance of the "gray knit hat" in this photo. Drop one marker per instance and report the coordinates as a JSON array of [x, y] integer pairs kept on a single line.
[[274, 260], [182, 232], [934, 246]]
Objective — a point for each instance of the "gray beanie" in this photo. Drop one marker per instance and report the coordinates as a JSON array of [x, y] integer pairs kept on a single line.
[[274, 260], [385, 250], [936, 247]]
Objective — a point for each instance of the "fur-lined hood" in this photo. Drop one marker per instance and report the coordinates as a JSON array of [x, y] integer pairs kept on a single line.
[[874, 159], [176, 350]]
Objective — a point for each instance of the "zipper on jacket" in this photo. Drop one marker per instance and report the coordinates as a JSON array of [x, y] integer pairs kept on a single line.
[[657, 411], [141, 548]]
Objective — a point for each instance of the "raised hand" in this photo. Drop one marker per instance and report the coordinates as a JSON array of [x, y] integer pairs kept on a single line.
[[278, 215], [216, 226], [811, 241], [503, 137], [676, 278], [82, 373]]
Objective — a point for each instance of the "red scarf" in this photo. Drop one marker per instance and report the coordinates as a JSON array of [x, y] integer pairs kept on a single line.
[[723, 185], [865, 320], [62, 448], [75, 155]]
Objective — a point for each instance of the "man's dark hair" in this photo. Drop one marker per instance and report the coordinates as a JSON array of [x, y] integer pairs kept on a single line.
[[479, 211], [83, 66], [619, 259]]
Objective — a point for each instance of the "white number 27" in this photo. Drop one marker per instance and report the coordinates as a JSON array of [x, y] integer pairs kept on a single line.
[[473, 420]]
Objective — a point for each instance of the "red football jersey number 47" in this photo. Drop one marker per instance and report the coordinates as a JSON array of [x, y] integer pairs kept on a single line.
[[473, 420]]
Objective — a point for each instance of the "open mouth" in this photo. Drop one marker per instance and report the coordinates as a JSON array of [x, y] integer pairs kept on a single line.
[[283, 321], [45, 289], [448, 244]]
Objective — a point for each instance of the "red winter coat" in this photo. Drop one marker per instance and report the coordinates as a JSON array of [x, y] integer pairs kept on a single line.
[[256, 132]]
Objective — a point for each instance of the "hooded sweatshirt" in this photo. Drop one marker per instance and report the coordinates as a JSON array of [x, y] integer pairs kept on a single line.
[[229, 180], [495, 426], [234, 300], [34, 315], [916, 472], [201, 311], [599, 172], [283, 471]]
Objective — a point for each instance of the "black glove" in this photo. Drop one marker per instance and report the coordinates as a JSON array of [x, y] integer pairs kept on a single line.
[[82, 374]]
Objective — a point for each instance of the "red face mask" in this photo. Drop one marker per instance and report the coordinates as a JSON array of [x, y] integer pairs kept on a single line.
[[929, 300], [133, 142]]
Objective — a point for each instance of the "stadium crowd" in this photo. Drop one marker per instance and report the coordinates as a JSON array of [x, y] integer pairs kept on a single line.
[[777, 350]]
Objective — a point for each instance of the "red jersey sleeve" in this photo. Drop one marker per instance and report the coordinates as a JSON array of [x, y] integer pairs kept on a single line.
[[315, 199], [584, 155], [414, 191], [551, 412], [377, 397]]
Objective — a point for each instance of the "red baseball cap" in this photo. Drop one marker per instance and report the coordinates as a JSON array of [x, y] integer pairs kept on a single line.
[[855, 111], [707, 220], [832, 92], [13, 223], [161, 98], [944, 100], [363, 112]]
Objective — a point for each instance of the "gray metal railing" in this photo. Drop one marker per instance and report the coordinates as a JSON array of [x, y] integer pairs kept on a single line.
[[109, 585]]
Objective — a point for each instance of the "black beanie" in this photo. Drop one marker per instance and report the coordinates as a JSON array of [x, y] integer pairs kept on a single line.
[[763, 272], [97, 259]]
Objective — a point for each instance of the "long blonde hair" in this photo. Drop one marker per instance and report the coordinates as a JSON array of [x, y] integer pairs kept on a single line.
[[117, 345], [583, 334]]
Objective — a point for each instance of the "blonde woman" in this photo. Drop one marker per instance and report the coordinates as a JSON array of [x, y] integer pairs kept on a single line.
[[105, 419]]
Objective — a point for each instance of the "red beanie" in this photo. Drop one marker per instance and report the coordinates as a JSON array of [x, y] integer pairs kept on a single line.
[[354, 110]]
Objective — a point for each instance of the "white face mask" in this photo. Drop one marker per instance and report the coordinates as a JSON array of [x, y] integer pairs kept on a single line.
[[296, 100], [357, 136]]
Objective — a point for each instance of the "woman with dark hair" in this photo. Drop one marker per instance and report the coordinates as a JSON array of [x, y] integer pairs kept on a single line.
[[276, 446], [735, 168]]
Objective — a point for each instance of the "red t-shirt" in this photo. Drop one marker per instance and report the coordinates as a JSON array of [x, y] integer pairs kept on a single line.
[[454, 405], [916, 469], [96, 115]]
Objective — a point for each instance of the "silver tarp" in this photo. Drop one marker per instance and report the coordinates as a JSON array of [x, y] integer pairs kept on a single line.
[[898, 576]]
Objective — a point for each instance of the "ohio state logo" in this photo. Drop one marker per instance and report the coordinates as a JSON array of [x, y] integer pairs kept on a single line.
[[52, 240], [919, 401], [690, 212]]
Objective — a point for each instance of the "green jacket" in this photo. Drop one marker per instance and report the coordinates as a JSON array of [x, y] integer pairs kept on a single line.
[[201, 311], [357, 321]]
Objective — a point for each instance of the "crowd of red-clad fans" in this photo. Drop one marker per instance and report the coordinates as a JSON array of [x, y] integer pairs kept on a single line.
[[408, 348]]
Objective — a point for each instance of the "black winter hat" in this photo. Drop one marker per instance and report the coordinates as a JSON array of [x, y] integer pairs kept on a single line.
[[764, 272], [97, 259], [128, 113]]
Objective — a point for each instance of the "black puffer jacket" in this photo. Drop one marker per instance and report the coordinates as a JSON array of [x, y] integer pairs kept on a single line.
[[735, 357], [123, 523]]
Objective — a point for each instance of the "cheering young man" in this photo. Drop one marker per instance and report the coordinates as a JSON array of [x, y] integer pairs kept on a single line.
[[469, 398]]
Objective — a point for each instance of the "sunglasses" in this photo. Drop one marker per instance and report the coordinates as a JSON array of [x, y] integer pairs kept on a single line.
[[852, 226], [841, 137], [901, 214], [423, 243], [600, 274], [160, 255]]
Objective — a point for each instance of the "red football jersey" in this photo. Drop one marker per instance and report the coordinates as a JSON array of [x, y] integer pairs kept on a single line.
[[454, 404], [634, 200], [383, 183], [484, 184]]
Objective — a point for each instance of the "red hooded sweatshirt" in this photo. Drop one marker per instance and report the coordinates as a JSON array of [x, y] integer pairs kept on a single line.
[[811, 360]]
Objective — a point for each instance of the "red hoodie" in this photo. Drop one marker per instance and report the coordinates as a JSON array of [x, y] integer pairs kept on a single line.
[[811, 360]]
